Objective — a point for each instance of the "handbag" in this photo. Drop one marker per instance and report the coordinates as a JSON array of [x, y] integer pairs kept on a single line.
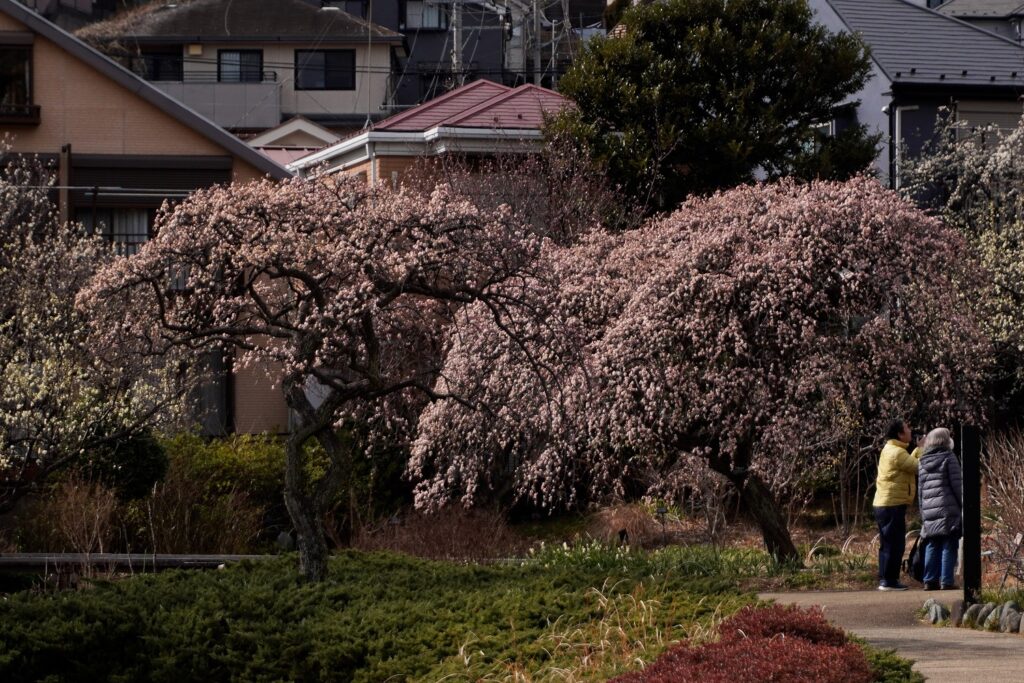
[[913, 566]]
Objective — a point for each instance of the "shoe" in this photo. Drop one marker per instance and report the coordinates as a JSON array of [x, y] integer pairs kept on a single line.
[[893, 587], [931, 586], [950, 587]]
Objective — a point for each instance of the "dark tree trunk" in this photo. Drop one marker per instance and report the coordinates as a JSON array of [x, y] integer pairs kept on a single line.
[[307, 500], [757, 499], [309, 529], [761, 504]]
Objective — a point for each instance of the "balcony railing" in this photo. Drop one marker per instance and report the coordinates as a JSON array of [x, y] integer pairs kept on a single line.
[[20, 113], [211, 77], [246, 104]]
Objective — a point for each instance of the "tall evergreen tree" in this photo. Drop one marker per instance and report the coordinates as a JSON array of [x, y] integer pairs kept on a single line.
[[697, 95]]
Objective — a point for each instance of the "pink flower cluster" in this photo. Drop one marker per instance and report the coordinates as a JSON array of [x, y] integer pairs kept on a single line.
[[750, 331]]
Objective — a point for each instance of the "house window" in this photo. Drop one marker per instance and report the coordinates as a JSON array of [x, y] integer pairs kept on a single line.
[[162, 65], [127, 229], [16, 83], [240, 66], [325, 69], [419, 14]]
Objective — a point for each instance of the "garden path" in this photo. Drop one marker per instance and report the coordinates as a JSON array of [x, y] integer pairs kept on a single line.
[[889, 620]]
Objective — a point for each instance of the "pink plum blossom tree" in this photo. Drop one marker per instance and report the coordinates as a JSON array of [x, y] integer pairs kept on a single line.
[[747, 333], [340, 290]]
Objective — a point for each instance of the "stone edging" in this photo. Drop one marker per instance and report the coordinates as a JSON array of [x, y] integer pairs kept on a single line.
[[1001, 618]]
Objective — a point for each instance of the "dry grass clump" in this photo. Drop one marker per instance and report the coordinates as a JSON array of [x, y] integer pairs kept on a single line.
[[628, 524], [79, 516], [450, 534]]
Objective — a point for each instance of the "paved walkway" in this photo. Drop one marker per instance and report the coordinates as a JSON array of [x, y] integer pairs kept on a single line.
[[888, 620]]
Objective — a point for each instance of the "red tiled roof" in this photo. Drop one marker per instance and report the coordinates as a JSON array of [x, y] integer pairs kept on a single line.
[[437, 110], [481, 104], [523, 107]]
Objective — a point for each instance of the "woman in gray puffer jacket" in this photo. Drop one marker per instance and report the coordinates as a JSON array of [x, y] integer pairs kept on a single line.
[[940, 491]]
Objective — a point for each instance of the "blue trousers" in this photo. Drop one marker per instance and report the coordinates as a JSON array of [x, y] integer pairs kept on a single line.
[[892, 541], [940, 559]]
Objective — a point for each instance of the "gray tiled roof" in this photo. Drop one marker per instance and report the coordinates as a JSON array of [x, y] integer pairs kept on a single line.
[[912, 44], [253, 20], [982, 8]]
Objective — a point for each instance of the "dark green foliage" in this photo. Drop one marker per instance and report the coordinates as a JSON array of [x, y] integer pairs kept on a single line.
[[250, 463], [836, 157], [129, 465], [888, 667], [613, 12], [698, 94], [254, 464], [378, 616]]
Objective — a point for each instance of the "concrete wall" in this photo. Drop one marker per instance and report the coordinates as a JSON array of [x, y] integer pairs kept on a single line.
[[259, 406]]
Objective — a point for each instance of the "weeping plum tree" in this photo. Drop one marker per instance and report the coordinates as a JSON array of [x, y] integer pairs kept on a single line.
[[742, 333], [340, 290]]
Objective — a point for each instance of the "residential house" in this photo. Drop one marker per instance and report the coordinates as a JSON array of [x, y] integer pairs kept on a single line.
[[480, 119], [250, 65], [122, 147], [921, 61], [1003, 17]]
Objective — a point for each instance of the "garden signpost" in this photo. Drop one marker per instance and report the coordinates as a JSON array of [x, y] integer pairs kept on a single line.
[[970, 451]]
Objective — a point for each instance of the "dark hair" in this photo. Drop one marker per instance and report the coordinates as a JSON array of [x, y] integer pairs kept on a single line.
[[894, 429]]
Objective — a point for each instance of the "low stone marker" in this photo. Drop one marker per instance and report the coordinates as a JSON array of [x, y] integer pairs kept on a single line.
[[1010, 621], [971, 615], [983, 615], [936, 611], [957, 612]]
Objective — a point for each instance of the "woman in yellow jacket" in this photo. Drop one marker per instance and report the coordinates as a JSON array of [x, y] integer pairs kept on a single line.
[[894, 491]]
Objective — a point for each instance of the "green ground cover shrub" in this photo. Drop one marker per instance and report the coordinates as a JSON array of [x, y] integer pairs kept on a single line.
[[379, 616], [568, 615]]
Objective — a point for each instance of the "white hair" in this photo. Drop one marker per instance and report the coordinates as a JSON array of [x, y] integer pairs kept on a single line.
[[938, 438]]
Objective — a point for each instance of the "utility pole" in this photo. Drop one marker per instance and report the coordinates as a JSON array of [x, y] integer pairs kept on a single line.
[[457, 65], [536, 42]]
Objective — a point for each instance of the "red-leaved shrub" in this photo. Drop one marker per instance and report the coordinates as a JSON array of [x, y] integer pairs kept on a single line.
[[782, 645], [776, 620]]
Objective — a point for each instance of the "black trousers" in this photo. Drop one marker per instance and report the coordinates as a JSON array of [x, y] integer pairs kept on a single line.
[[892, 541]]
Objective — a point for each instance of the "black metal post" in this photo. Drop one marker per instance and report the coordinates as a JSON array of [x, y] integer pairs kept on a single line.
[[970, 452]]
